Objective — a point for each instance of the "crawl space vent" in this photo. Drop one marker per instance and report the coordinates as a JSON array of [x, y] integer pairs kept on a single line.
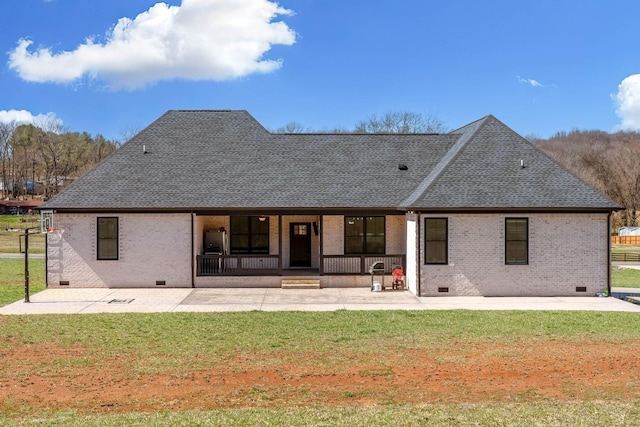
[[581, 289], [443, 289]]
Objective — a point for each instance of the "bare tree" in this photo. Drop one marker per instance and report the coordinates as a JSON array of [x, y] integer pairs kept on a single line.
[[609, 162], [389, 122], [401, 122], [292, 127], [50, 156], [6, 131], [126, 134]]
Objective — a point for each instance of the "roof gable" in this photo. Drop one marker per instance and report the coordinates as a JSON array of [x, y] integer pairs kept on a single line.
[[498, 169]]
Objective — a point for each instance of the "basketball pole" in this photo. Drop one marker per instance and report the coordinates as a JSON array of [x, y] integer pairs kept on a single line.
[[27, 231]]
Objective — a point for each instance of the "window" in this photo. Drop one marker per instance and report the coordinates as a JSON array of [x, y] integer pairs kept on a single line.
[[300, 229], [516, 245], [435, 237], [364, 235], [249, 235], [107, 238]]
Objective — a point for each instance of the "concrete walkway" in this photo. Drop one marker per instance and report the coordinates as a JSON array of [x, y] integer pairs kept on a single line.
[[150, 300]]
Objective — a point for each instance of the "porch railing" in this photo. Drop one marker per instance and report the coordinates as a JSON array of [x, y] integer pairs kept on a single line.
[[238, 265], [267, 265], [359, 264]]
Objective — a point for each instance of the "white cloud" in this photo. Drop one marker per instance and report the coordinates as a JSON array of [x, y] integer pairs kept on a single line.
[[20, 117], [531, 82], [628, 103], [198, 40]]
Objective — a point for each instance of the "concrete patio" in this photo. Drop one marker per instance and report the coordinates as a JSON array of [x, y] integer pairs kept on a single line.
[[150, 300]]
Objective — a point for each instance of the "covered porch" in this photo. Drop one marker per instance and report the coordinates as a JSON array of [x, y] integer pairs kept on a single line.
[[263, 250]]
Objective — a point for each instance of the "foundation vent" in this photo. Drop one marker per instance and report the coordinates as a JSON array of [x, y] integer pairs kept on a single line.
[[64, 283], [443, 289], [160, 282], [581, 289]]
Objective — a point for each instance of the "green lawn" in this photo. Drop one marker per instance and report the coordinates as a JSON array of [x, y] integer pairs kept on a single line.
[[543, 414], [185, 342], [150, 344], [10, 240], [12, 279], [622, 249], [625, 277]]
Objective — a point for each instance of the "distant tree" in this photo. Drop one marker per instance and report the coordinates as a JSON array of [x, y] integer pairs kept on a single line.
[[401, 122], [23, 156], [6, 131], [609, 162], [49, 155], [126, 134], [292, 127]]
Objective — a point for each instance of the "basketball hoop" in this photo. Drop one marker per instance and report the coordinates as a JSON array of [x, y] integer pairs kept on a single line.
[[56, 233]]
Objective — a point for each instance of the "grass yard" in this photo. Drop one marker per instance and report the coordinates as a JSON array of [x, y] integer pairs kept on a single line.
[[12, 278], [625, 277], [344, 368], [10, 240], [622, 249]]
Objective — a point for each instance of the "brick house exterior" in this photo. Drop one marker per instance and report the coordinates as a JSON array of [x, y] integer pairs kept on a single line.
[[477, 211]]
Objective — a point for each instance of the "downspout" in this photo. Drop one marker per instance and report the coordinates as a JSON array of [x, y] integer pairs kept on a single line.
[[46, 260], [193, 250], [609, 254], [419, 257]]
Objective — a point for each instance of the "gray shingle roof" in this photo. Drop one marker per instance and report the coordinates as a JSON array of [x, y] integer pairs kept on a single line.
[[487, 173], [227, 160]]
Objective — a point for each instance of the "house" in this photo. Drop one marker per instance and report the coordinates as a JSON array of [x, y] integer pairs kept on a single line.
[[16, 206], [629, 231], [213, 199]]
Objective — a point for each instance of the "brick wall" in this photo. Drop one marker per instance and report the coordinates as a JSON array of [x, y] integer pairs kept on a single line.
[[565, 251], [151, 248]]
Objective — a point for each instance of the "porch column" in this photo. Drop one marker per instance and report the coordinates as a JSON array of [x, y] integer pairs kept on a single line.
[[413, 252], [280, 245]]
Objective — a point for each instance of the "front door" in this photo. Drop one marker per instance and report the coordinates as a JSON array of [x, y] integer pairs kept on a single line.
[[300, 244]]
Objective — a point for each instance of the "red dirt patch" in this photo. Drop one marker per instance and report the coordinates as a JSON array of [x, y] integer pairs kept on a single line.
[[77, 378]]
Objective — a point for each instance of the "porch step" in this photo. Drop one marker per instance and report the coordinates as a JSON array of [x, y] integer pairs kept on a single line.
[[301, 284]]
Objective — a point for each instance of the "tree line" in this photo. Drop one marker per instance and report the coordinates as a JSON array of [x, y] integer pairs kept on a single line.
[[39, 159], [46, 155], [608, 161]]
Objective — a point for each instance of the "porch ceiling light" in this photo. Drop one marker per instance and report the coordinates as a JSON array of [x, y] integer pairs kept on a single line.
[[262, 218]]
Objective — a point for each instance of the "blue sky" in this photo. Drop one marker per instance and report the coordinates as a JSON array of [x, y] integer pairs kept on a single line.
[[111, 67]]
